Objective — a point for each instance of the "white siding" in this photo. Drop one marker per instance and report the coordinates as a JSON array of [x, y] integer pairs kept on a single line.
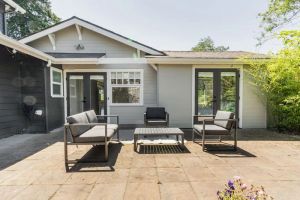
[[254, 113], [175, 93], [67, 39]]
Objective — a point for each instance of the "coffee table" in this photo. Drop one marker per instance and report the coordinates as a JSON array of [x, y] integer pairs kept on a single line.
[[157, 132]]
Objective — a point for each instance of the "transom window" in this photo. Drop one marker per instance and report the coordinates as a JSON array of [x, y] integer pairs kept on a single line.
[[56, 82], [126, 88]]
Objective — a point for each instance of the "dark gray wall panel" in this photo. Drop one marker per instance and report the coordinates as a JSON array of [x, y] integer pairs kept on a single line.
[[32, 75], [11, 116], [55, 111]]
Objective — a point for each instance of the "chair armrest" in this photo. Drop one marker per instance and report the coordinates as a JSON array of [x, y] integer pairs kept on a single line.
[[116, 116], [167, 117], [86, 124], [212, 120]]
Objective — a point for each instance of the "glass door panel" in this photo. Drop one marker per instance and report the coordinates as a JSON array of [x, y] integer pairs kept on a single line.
[[76, 95], [97, 94], [86, 91], [228, 91], [216, 89], [205, 93]]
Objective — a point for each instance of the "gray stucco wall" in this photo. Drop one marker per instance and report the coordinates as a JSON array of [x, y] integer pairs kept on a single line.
[[254, 112], [175, 93]]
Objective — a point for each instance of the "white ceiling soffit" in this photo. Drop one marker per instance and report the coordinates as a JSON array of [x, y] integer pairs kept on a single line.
[[15, 6], [11, 43], [76, 21]]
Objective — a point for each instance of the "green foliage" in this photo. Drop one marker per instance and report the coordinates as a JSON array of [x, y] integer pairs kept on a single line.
[[38, 16], [207, 44], [279, 13], [279, 81]]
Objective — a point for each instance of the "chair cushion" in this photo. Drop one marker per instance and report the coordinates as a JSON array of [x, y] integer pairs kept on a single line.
[[91, 116], [157, 121], [211, 129], [155, 113], [95, 134], [224, 115], [75, 119]]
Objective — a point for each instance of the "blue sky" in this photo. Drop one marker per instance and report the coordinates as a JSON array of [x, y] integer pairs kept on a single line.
[[175, 25]]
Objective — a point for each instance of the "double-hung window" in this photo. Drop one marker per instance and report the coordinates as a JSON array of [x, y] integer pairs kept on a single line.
[[126, 88], [56, 82]]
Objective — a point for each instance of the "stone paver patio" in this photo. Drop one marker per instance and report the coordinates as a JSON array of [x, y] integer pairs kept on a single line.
[[161, 173]]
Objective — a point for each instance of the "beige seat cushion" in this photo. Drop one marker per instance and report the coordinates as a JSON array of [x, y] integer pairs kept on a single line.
[[212, 129], [95, 134], [109, 126]]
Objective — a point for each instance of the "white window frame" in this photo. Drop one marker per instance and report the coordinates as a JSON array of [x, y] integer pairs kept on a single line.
[[52, 69], [141, 86]]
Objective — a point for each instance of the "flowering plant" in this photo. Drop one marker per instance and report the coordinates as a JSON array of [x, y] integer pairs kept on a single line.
[[237, 190]]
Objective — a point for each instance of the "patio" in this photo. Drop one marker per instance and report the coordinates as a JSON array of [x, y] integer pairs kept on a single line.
[[164, 172]]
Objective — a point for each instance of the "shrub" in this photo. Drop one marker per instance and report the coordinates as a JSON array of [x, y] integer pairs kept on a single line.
[[279, 81]]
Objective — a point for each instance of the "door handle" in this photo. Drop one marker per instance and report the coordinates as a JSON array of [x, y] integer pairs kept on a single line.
[[214, 99], [84, 100]]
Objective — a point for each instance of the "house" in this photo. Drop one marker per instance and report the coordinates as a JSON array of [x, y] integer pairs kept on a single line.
[[78, 66]]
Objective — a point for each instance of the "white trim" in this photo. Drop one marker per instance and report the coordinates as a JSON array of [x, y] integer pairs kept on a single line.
[[15, 6], [141, 86], [241, 91], [94, 28], [78, 28], [240, 67], [52, 69], [154, 67], [107, 71], [52, 40]]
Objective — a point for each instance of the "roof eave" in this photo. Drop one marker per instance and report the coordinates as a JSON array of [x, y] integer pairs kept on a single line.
[[15, 6], [193, 61]]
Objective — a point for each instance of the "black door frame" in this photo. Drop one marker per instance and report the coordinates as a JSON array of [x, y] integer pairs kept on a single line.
[[217, 88], [86, 89]]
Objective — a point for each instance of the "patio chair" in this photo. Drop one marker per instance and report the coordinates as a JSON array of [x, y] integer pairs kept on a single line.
[[156, 116], [85, 129], [220, 125]]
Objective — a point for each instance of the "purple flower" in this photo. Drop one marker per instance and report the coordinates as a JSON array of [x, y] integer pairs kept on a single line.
[[231, 184]]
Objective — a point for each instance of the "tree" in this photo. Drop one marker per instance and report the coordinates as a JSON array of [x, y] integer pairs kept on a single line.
[[278, 80], [207, 44], [278, 14], [38, 16]]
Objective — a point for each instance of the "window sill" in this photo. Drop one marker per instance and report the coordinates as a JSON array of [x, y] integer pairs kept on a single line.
[[57, 96]]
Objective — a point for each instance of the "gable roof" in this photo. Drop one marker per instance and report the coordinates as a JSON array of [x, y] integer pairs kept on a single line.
[[98, 29]]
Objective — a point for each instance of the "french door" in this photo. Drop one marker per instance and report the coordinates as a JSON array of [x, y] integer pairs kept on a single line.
[[86, 91], [216, 89]]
